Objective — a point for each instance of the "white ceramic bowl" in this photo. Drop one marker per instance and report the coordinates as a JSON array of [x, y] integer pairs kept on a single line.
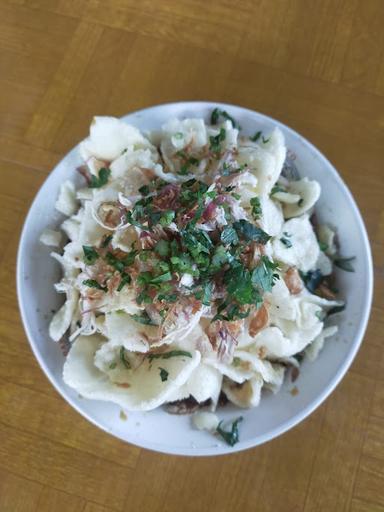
[[157, 430]]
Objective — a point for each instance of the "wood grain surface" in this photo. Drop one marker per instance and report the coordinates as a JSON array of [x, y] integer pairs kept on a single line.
[[317, 65]]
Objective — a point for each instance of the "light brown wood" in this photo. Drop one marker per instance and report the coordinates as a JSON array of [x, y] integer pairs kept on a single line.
[[317, 65]]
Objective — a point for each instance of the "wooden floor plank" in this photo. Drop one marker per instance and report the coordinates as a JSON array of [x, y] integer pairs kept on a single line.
[[53, 107], [370, 480], [18, 494], [365, 506], [78, 473], [71, 430], [52, 500], [344, 424]]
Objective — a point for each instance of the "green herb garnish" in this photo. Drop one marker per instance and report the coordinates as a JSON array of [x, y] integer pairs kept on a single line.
[[230, 312], [123, 359], [276, 189], [166, 218], [144, 190], [143, 297], [238, 281], [312, 279], [345, 263], [250, 232], [168, 355], [125, 279], [144, 319], [101, 180], [207, 293], [256, 136], [115, 262], [256, 208], [216, 113], [90, 255], [229, 236], [92, 283], [216, 140], [336, 309], [264, 275], [162, 248], [167, 297], [163, 374], [285, 241], [167, 276], [196, 242], [106, 241], [219, 257], [230, 437]]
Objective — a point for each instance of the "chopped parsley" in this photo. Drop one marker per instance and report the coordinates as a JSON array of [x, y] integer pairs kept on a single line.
[[229, 236], [312, 279], [168, 355], [162, 278], [144, 318], [166, 297], [115, 262], [323, 246], [276, 189], [90, 254], [207, 293], [256, 208], [120, 264], [228, 169], [256, 136], [250, 232], [106, 241], [123, 359], [163, 374], [101, 180], [187, 162], [264, 275], [216, 140], [286, 241], [220, 256], [166, 218], [92, 283], [113, 365], [162, 248], [345, 263], [217, 113], [144, 190], [336, 309], [230, 312], [231, 437], [125, 279], [240, 286]]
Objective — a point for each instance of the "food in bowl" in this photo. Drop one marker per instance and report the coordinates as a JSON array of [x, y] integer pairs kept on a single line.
[[193, 270]]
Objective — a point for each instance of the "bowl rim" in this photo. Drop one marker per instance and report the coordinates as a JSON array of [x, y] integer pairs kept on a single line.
[[298, 417]]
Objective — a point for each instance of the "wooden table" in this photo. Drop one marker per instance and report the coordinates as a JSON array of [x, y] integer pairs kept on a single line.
[[317, 66]]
